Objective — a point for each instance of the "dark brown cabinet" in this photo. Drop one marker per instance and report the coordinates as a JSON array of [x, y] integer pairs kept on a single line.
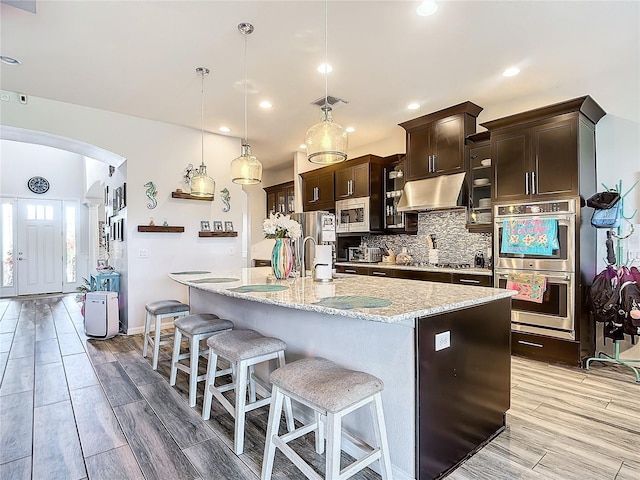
[[280, 198], [424, 275], [545, 152], [480, 178], [352, 182], [537, 161], [318, 190], [394, 180], [435, 142], [473, 280]]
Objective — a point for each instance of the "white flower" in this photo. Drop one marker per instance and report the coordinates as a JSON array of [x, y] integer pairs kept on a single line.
[[280, 226]]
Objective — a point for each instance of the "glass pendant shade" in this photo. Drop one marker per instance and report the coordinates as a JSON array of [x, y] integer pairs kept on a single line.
[[326, 141], [246, 169], [201, 184]]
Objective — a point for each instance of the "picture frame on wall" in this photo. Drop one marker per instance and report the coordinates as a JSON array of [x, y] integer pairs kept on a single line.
[[204, 226], [121, 229], [228, 226], [106, 195], [217, 226], [123, 198], [119, 198]]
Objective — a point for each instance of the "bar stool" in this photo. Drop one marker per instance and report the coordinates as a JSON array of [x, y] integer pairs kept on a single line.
[[243, 349], [195, 327], [160, 309], [331, 392]]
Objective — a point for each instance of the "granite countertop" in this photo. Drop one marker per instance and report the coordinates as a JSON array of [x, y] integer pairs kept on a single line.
[[420, 268], [391, 300]]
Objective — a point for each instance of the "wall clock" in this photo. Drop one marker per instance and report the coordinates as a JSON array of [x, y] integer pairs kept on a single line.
[[38, 185]]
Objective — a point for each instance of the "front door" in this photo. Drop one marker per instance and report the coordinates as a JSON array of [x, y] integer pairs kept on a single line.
[[39, 249]]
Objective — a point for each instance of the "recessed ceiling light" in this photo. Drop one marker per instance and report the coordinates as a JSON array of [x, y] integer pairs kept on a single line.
[[426, 8], [511, 72], [10, 60], [265, 104], [325, 68], [350, 129], [413, 106], [224, 129], [302, 146]]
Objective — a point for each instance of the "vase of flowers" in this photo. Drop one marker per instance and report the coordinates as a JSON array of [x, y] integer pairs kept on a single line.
[[283, 229]]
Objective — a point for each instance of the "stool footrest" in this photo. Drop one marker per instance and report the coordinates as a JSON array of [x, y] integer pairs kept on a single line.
[[297, 460], [298, 432]]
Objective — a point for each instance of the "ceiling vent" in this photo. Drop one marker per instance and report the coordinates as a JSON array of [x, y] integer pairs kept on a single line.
[[334, 102]]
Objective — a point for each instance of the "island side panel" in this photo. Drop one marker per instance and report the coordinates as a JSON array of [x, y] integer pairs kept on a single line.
[[472, 380], [386, 350]]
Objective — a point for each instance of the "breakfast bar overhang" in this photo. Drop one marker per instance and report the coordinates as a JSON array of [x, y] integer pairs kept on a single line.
[[442, 351]]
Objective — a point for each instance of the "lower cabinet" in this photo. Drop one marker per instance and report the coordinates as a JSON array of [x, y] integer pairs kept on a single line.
[[351, 269], [548, 349], [428, 276]]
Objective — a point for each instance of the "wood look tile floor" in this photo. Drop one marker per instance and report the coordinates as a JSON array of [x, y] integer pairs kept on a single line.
[[79, 408]]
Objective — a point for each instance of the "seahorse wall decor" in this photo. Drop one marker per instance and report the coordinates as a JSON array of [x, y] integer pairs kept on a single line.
[[151, 195], [226, 198]]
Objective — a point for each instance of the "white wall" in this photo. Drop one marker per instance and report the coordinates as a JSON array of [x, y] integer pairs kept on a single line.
[[155, 152], [19, 162]]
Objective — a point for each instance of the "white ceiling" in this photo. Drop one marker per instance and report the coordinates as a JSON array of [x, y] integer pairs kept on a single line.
[[139, 58]]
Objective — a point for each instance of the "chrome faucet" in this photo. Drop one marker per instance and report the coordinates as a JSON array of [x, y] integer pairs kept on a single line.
[[303, 255]]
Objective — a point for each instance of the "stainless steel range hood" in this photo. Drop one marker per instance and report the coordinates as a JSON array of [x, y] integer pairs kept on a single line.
[[435, 193]]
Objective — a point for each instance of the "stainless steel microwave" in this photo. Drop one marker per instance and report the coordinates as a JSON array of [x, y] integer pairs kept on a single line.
[[352, 215]]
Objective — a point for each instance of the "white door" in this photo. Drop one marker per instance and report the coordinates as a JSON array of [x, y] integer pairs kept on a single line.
[[39, 249]]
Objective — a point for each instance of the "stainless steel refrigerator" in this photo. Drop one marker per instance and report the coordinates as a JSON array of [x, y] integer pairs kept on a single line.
[[318, 228]]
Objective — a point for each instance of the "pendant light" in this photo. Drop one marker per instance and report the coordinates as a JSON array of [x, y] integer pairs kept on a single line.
[[246, 169], [326, 141], [200, 183]]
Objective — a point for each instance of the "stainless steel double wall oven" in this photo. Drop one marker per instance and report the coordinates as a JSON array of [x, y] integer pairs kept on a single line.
[[555, 316]]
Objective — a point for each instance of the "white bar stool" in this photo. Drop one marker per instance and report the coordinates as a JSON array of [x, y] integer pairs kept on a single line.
[[243, 349], [160, 310], [195, 327], [331, 392]]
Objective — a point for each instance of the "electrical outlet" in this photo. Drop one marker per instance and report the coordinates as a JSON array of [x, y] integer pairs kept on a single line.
[[443, 340], [232, 251], [143, 253]]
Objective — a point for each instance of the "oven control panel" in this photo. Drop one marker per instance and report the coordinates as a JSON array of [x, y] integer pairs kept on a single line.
[[562, 206]]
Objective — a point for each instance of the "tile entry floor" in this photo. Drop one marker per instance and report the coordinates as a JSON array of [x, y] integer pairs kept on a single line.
[[75, 408]]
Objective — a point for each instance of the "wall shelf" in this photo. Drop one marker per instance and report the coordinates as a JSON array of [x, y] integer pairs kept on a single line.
[[188, 196], [217, 234], [160, 229]]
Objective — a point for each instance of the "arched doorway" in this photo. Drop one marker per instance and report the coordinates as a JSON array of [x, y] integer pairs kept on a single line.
[[49, 240]]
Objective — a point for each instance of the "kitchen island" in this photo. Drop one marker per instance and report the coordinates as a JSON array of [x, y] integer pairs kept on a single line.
[[442, 351]]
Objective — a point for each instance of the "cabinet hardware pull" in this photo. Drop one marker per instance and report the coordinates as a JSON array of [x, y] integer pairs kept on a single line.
[[533, 183], [381, 274], [429, 165], [468, 280], [531, 344], [434, 163], [526, 183], [349, 271]]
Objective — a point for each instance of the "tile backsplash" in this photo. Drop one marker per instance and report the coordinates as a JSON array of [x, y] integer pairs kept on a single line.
[[454, 242]]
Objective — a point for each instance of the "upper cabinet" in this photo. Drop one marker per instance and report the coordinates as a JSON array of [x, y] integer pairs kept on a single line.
[[280, 198], [480, 176], [358, 177], [318, 190], [545, 152], [351, 182], [435, 142]]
